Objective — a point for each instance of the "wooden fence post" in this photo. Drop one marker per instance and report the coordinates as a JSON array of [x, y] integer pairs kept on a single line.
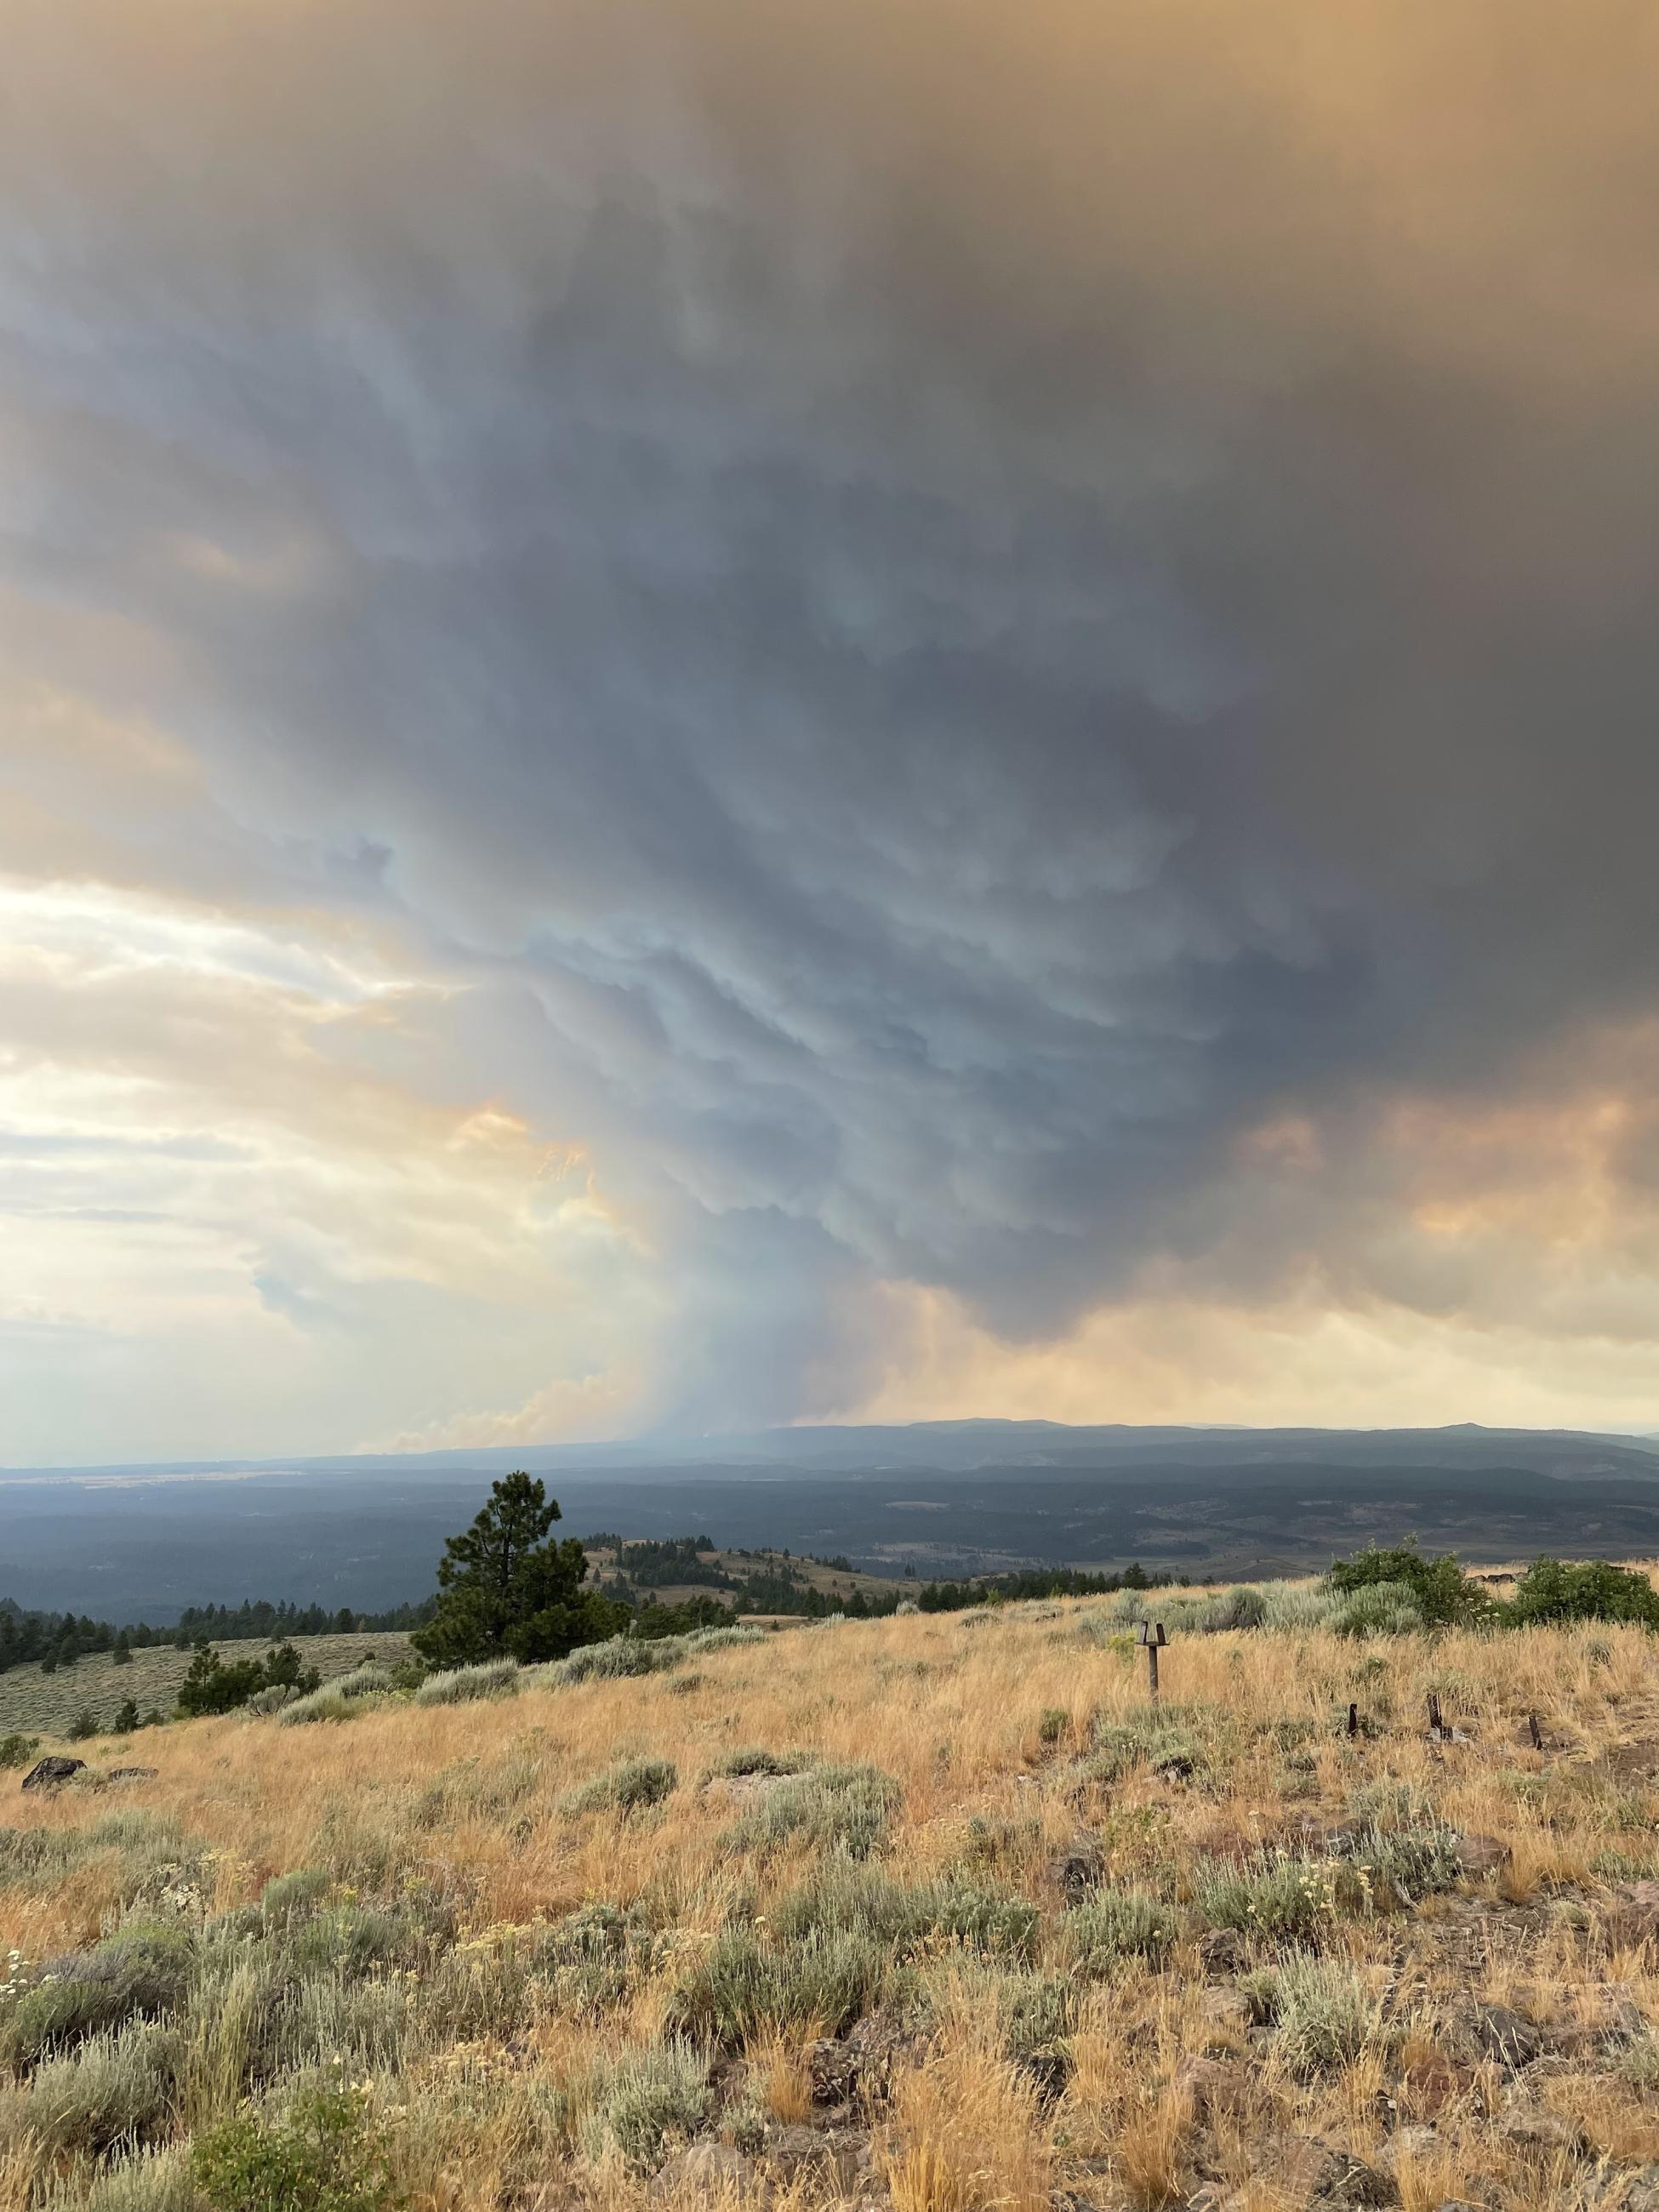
[[1152, 1636]]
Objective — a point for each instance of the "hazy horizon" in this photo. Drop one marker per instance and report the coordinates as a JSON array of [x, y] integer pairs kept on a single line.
[[655, 1447]]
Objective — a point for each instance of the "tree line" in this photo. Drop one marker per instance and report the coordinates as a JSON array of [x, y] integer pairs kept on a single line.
[[51, 1640]]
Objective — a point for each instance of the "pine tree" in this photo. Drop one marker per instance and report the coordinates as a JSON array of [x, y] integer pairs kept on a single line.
[[506, 1590]]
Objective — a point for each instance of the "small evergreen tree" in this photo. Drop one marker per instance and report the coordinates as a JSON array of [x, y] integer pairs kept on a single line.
[[506, 1591], [210, 1687], [126, 1718], [84, 1726]]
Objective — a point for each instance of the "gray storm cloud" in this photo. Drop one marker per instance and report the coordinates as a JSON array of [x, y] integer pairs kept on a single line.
[[942, 610]]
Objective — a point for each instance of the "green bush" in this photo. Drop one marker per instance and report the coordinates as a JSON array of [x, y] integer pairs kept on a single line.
[[1443, 1595], [27, 1853], [850, 1897], [1286, 1900], [628, 1787], [155, 2180], [289, 1897], [323, 2155], [754, 1758], [595, 1957], [616, 1659], [1036, 2017], [138, 1973], [1322, 2012], [638, 2103], [621, 1656], [1294, 1605], [83, 1727], [743, 1983], [351, 1938], [117, 2087], [18, 1750], [1379, 1609], [1116, 1924], [324, 1704], [1400, 1866], [1159, 1740], [848, 1806], [1551, 1590], [461, 1686]]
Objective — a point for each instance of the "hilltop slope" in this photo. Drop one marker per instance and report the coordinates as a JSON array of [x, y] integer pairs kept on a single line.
[[937, 1912]]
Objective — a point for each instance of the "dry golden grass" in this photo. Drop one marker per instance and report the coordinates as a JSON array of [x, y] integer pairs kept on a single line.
[[503, 2106]]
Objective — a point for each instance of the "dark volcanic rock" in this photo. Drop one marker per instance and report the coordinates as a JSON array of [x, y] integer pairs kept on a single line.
[[1079, 1868], [51, 1771]]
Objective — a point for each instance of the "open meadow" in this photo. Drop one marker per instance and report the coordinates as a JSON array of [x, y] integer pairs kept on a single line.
[[937, 1913]]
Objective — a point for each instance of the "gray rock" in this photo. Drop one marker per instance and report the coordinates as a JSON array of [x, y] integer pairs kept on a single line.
[[1213, 2086], [1346, 2181], [1226, 2016], [843, 2153], [1505, 2035], [796, 2146], [861, 2060], [1412, 2142], [1304, 2170], [1633, 1916], [1480, 1856], [133, 1774], [708, 2169], [1224, 1951], [50, 1772], [1529, 2127]]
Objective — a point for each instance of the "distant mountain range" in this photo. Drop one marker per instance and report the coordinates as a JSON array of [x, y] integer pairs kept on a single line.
[[944, 1496]]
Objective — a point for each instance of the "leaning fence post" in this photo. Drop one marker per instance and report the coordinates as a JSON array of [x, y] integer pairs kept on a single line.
[[1152, 1636], [1437, 1729]]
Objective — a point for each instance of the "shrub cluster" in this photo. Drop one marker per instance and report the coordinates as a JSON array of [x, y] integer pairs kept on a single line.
[[212, 1686]]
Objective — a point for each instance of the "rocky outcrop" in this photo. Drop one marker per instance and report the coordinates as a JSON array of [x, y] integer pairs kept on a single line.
[[51, 1773]]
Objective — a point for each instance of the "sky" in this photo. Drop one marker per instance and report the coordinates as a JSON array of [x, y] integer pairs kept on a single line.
[[714, 715]]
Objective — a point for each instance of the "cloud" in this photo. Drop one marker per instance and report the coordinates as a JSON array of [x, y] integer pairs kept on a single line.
[[1000, 668]]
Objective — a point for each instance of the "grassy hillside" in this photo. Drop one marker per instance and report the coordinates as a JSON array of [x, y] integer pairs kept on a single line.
[[46, 1705], [934, 1913], [808, 1573]]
